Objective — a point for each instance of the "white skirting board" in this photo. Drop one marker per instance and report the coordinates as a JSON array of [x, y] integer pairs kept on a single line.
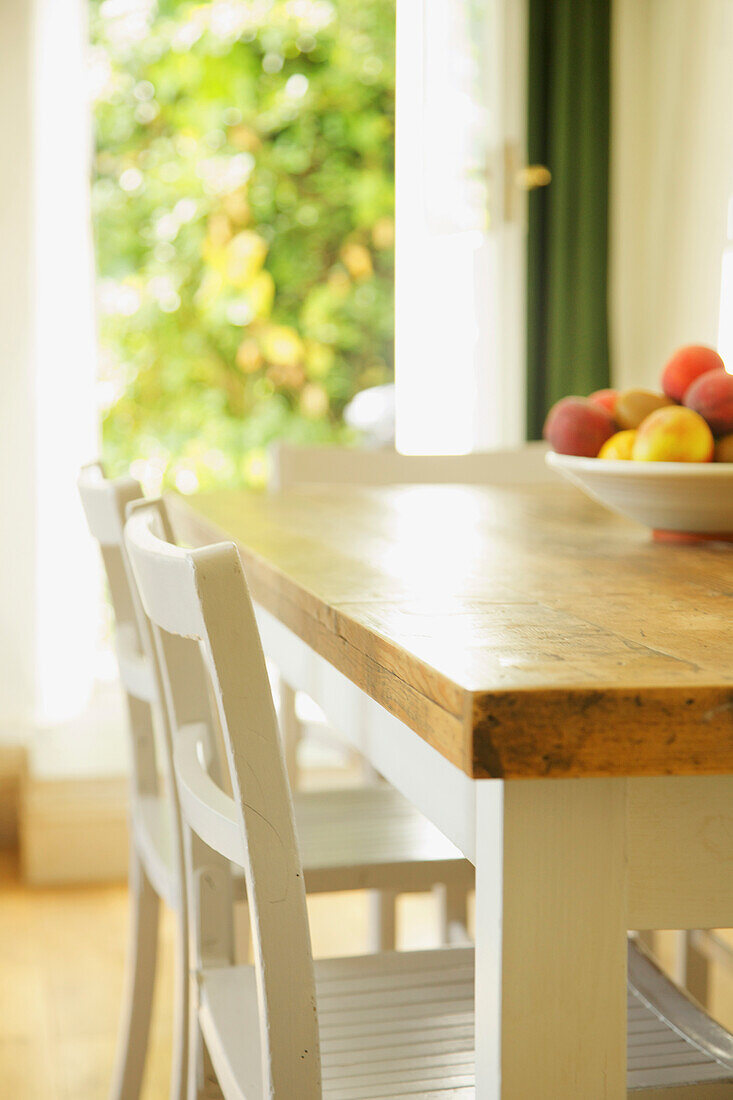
[[74, 830]]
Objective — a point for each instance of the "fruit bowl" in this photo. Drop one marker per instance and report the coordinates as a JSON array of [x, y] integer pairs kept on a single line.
[[673, 498]]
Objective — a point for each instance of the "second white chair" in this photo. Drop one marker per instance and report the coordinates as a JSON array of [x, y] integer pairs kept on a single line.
[[352, 839]]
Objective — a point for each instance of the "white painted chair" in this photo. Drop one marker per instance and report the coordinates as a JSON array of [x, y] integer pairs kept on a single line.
[[370, 1028], [156, 855], [352, 839]]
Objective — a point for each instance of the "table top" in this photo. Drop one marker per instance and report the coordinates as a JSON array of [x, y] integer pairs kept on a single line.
[[522, 631]]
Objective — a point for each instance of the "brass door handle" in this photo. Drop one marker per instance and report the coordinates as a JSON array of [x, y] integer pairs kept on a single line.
[[532, 176]]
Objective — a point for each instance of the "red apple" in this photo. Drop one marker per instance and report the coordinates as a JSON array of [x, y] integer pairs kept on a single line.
[[685, 366], [605, 399], [712, 397], [575, 426]]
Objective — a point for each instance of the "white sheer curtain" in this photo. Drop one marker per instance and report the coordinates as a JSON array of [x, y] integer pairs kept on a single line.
[[17, 579], [67, 588], [671, 178]]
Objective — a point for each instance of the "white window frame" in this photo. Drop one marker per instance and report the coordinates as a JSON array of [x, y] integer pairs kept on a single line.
[[460, 271]]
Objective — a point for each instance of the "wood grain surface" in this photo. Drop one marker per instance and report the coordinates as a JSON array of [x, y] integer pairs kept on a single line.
[[522, 631]]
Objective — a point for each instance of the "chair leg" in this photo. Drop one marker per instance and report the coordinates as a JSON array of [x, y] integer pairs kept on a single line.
[[202, 1082], [648, 937], [139, 983], [195, 1053], [181, 1023], [695, 967], [242, 933], [453, 909], [382, 920], [369, 776], [291, 730]]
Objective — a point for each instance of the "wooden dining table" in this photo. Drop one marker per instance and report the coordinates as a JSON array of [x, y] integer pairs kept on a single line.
[[554, 690]]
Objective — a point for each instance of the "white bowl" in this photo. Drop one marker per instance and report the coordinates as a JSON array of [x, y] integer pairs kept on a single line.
[[684, 497]]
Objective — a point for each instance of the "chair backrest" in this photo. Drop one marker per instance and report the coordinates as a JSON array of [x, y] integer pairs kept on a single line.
[[290, 465], [202, 595], [105, 502]]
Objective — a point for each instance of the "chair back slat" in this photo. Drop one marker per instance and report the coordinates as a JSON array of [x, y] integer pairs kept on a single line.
[[165, 582], [104, 504], [184, 679], [202, 594]]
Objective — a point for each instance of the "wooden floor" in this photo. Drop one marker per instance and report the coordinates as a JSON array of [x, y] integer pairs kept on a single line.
[[61, 966]]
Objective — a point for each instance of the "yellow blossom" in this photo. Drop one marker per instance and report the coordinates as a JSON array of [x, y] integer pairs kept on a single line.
[[319, 359], [358, 260], [282, 345], [313, 401], [249, 356], [209, 289], [245, 255], [289, 376], [237, 207], [339, 282], [244, 137], [383, 233], [254, 469], [219, 230]]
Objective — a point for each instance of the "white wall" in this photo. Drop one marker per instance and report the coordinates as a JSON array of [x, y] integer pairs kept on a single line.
[[671, 178], [47, 420], [17, 424]]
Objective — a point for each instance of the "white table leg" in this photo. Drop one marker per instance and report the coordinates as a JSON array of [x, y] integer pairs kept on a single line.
[[551, 939]]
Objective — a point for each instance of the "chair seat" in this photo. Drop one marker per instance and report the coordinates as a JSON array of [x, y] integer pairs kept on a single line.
[[355, 839], [672, 1042], [402, 1024], [660, 1057], [372, 837], [391, 1025]]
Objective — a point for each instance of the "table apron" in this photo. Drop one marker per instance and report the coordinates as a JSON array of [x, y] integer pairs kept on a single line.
[[680, 851]]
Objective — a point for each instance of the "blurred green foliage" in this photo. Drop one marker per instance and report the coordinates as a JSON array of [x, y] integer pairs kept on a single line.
[[243, 210]]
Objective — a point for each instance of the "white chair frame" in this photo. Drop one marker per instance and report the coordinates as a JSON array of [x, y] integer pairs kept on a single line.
[[156, 852]]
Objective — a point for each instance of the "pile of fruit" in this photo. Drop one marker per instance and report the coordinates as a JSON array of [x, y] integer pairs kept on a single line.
[[690, 421]]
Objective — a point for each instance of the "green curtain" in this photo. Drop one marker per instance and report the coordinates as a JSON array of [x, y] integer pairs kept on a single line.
[[567, 271]]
